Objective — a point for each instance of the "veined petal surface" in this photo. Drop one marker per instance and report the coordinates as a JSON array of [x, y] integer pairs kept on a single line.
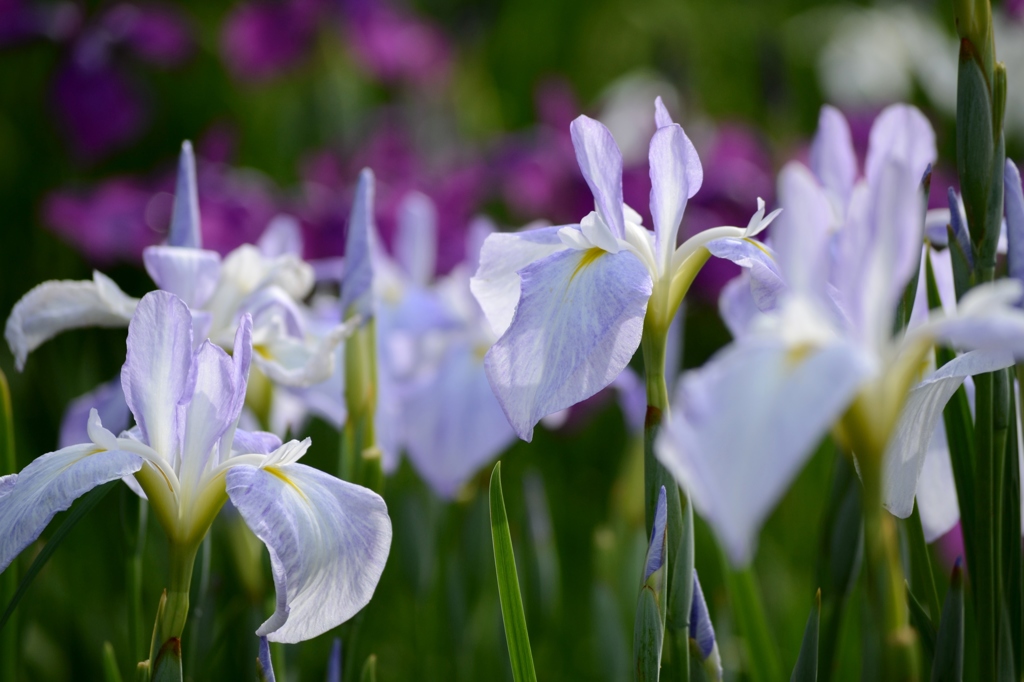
[[745, 423], [56, 306], [675, 166], [497, 284], [189, 274], [578, 323], [49, 485], [357, 284], [108, 400], [185, 228], [155, 375], [600, 162], [328, 541]]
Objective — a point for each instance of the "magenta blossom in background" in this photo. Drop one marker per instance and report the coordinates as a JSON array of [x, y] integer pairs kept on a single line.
[[395, 45], [158, 34], [1015, 8], [21, 21], [261, 40]]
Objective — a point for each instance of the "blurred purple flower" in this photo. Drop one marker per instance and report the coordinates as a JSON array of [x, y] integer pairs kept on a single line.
[[394, 45], [158, 34], [1015, 8], [260, 40]]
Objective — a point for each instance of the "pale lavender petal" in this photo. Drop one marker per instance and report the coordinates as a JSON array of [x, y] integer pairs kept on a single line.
[[833, 159], [959, 225], [479, 230], [283, 236], [1014, 197], [334, 661], [255, 442], [908, 446], [676, 175], [744, 424], [453, 424], [661, 116], [208, 413], [936, 489], [190, 274], [800, 236], [766, 283], [497, 283], [702, 630], [987, 319], [186, 229], [656, 547], [416, 240], [267, 666], [736, 305], [632, 393], [577, 325], [601, 164], [57, 306], [900, 132], [357, 285], [156, 371], [108, 400], [49, 485], [328, 541]]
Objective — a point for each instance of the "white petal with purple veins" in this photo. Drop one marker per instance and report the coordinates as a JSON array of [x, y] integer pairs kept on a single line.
[[189, 274], [328, 542], [49, 485], [601, 164], [676, 174], [577, 325]]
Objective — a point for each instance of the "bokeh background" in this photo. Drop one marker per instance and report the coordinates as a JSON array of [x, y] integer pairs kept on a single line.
[[470, 103]]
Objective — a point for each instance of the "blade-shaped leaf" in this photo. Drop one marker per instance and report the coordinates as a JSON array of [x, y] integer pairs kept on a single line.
[[922, 622], [80, 509], [369, 673], [948, 663], [111, 673], [748, 609], [806, 668], [648, 637], [167, 667], [9, 578], [512, 613], [922, 581]]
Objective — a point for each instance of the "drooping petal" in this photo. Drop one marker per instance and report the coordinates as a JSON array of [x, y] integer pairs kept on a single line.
[[905, 454], [189, 274], [767, 284], [453, 424], [1014, 199], [600, 162], [497, 284], [577, 325], [56, 306], [255, 442], [936, 489], [186, 229], [744, 424], [357, 284], [156, 371], [833, 159], [282, 237], [986, 319], [49, 485], [266, 665], [108, 400], [328, 541], [736, 305], [676, 175], [416, 240]]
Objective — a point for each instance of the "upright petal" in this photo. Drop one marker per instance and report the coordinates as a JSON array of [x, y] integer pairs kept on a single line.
[[676, 175], [1014, 199], [900, 132], [661, 116], [908, 446], [497, 283], [283, 237], [49, 485], [328, 542], [189, 274], [577, 325], [801, 233], [833, 160], [208, 414], [745, 423], [357, 284], [416, 241], [453, 424], [185, 226], [155, 375], [601, 164], [56, 306], [108, 400]]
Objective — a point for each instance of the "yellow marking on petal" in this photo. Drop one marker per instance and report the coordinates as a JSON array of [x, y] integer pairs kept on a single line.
[[759, 245], [589, 256], [797, 354], [262, 351], [274, 471]]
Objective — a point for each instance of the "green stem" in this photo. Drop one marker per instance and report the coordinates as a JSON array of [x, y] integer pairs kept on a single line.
[[136, 631], [983, 574], [182, 561], [9, 578]]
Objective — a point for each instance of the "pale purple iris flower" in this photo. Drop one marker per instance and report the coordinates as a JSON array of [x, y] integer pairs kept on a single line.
[[570, 303], [328, 539], [433, 398], [268, 281], [819, 341]]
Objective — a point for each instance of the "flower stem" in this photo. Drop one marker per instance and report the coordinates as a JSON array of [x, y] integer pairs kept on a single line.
[[182, 561]]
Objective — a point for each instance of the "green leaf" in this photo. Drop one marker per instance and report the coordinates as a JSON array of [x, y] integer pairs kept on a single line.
[[948, 663], [922, 622], [648, 636], [369, 673], [974, 144], [677, 625], [9, 578], [512, 613], [806, 668], [80, 509], [760, 652], [111, 673], [1011, 534], [698, 670], [922, 580]]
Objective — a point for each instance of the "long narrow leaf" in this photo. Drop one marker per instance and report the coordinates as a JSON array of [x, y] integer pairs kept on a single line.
[[759, 646], [80, 509], [512, 613], [922, 622], [948, 664], [806, 669], [648, 638], [9, 579], [922, 580]]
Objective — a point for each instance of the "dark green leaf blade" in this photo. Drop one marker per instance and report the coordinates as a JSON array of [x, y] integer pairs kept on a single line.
[[948, 664], [806, 668]]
